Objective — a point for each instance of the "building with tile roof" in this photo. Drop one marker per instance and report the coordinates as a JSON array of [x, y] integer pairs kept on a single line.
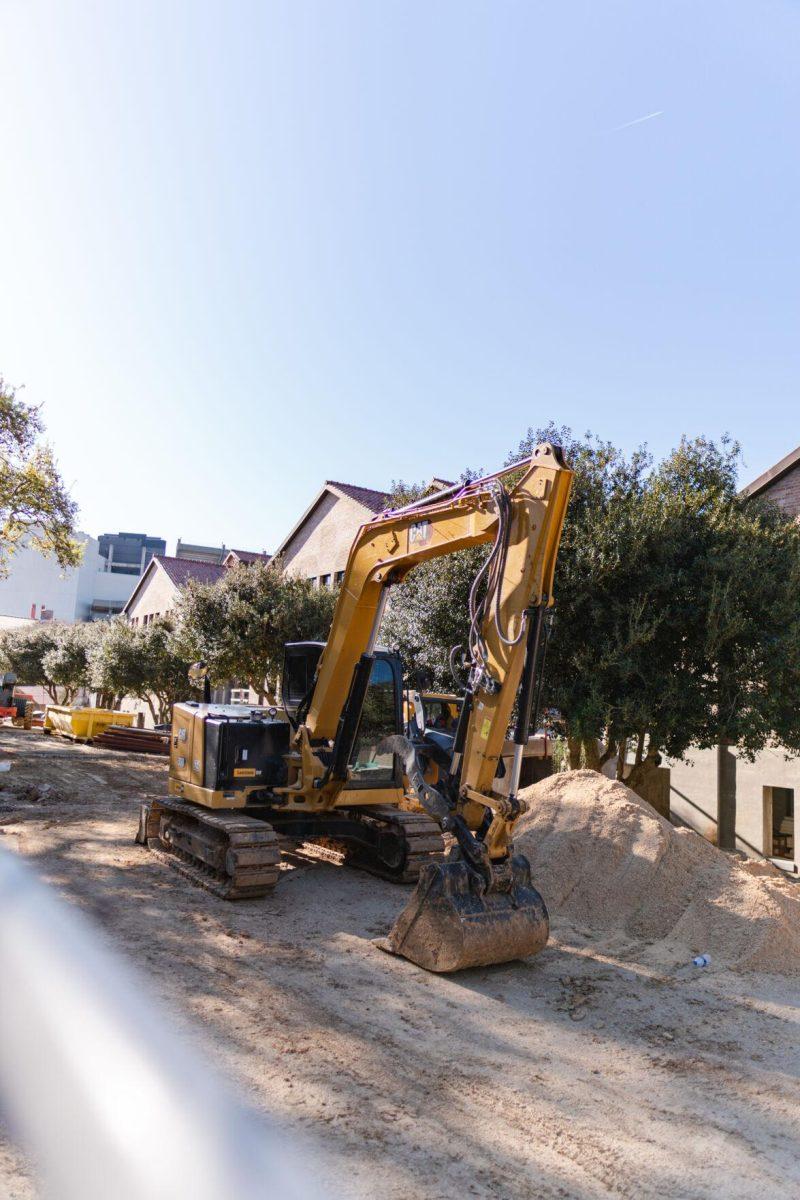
[[245, 556], [780, 483], [158, 589], [370, 498], [317, 546]]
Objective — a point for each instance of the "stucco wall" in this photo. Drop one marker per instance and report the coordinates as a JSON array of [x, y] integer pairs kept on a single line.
[[693, 794], [37, 579], [156, 595], [108, 587], [322, 544], [786, 492]]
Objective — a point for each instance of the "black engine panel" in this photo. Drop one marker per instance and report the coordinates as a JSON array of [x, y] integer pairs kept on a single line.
[[244, 753]]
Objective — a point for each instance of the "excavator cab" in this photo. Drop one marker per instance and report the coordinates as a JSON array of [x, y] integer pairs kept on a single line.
[[380, 717]]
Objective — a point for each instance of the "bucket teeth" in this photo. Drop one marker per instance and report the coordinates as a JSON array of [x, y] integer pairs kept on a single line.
[[453, 920]]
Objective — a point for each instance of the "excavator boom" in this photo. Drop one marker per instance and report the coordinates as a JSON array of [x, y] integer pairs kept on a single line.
[[479, 906]]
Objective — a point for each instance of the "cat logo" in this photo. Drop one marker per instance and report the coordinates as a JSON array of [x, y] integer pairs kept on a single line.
[[419, 534]]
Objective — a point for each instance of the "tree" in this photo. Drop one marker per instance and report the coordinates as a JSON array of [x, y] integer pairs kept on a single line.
[[23, 651], [239, 625], [605, 573], [66, 663], [677, 622], [143, 662], [34, 503]]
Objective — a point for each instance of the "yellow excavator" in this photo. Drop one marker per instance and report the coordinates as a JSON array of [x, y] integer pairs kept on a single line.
[[342, 771]]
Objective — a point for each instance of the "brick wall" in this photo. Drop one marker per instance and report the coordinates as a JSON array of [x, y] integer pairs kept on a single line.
[[786, 492]]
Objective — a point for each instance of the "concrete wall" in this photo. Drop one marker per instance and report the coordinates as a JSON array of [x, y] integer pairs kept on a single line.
[[786, 492], [37, 579], [7, 622], [322, 544], [693, 795], [108, 587]]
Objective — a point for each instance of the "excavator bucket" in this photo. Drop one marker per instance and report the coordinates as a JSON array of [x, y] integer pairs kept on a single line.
[[453, 921]]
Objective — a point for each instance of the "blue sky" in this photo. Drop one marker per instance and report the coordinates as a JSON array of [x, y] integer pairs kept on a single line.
[[245, 247]]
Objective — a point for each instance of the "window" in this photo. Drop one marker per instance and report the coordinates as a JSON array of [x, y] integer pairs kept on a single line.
[[379, 719], [339, 578], [441, 714], [325, 581], [779, 822], [312, 579]]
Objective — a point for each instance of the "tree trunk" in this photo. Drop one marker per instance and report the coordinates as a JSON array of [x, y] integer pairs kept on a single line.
[[639, 772], [622, 754], [609, 752], [574, 746], [591, 755], [726, 796], [639, 749]]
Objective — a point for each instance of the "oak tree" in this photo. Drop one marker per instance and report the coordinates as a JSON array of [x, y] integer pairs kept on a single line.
[[35, 506]]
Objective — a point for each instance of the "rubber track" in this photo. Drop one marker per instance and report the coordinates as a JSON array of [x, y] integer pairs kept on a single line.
[[424, 844], [247, 845]]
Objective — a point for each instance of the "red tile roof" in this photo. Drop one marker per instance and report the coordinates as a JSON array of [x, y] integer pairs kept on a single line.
[[181, 570], [373, 500], [250, 556]]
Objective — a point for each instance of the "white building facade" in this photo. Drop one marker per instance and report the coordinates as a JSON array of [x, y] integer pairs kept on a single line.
[[39, 589]]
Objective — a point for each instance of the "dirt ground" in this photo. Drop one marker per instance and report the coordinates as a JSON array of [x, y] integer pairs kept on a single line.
[[569, 1075]]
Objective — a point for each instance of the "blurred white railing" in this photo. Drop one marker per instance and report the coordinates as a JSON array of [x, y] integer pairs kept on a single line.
[[98, 1085]]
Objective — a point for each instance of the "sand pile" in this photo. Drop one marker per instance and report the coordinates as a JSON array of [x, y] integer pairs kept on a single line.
[[613, 871]]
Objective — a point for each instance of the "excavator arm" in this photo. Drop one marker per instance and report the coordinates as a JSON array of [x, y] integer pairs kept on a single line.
[[522, 522], [479, 905]]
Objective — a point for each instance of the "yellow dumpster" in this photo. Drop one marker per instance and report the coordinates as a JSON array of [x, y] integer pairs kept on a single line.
[[82, 724]]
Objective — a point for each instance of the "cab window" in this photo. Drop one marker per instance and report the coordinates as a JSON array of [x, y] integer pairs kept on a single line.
[[441, 714], [378, 720]]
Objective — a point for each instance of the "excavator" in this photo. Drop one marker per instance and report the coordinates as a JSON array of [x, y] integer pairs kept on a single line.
[[341, 771]]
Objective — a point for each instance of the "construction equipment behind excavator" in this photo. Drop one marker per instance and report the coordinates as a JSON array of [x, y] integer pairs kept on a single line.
[[343, 771]]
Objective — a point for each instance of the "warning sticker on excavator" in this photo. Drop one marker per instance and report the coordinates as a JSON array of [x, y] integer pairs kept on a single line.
[[485, 727], [244, 772]]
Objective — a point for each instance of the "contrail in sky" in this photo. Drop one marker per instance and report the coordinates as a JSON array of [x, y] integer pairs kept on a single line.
[[638, 121]]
